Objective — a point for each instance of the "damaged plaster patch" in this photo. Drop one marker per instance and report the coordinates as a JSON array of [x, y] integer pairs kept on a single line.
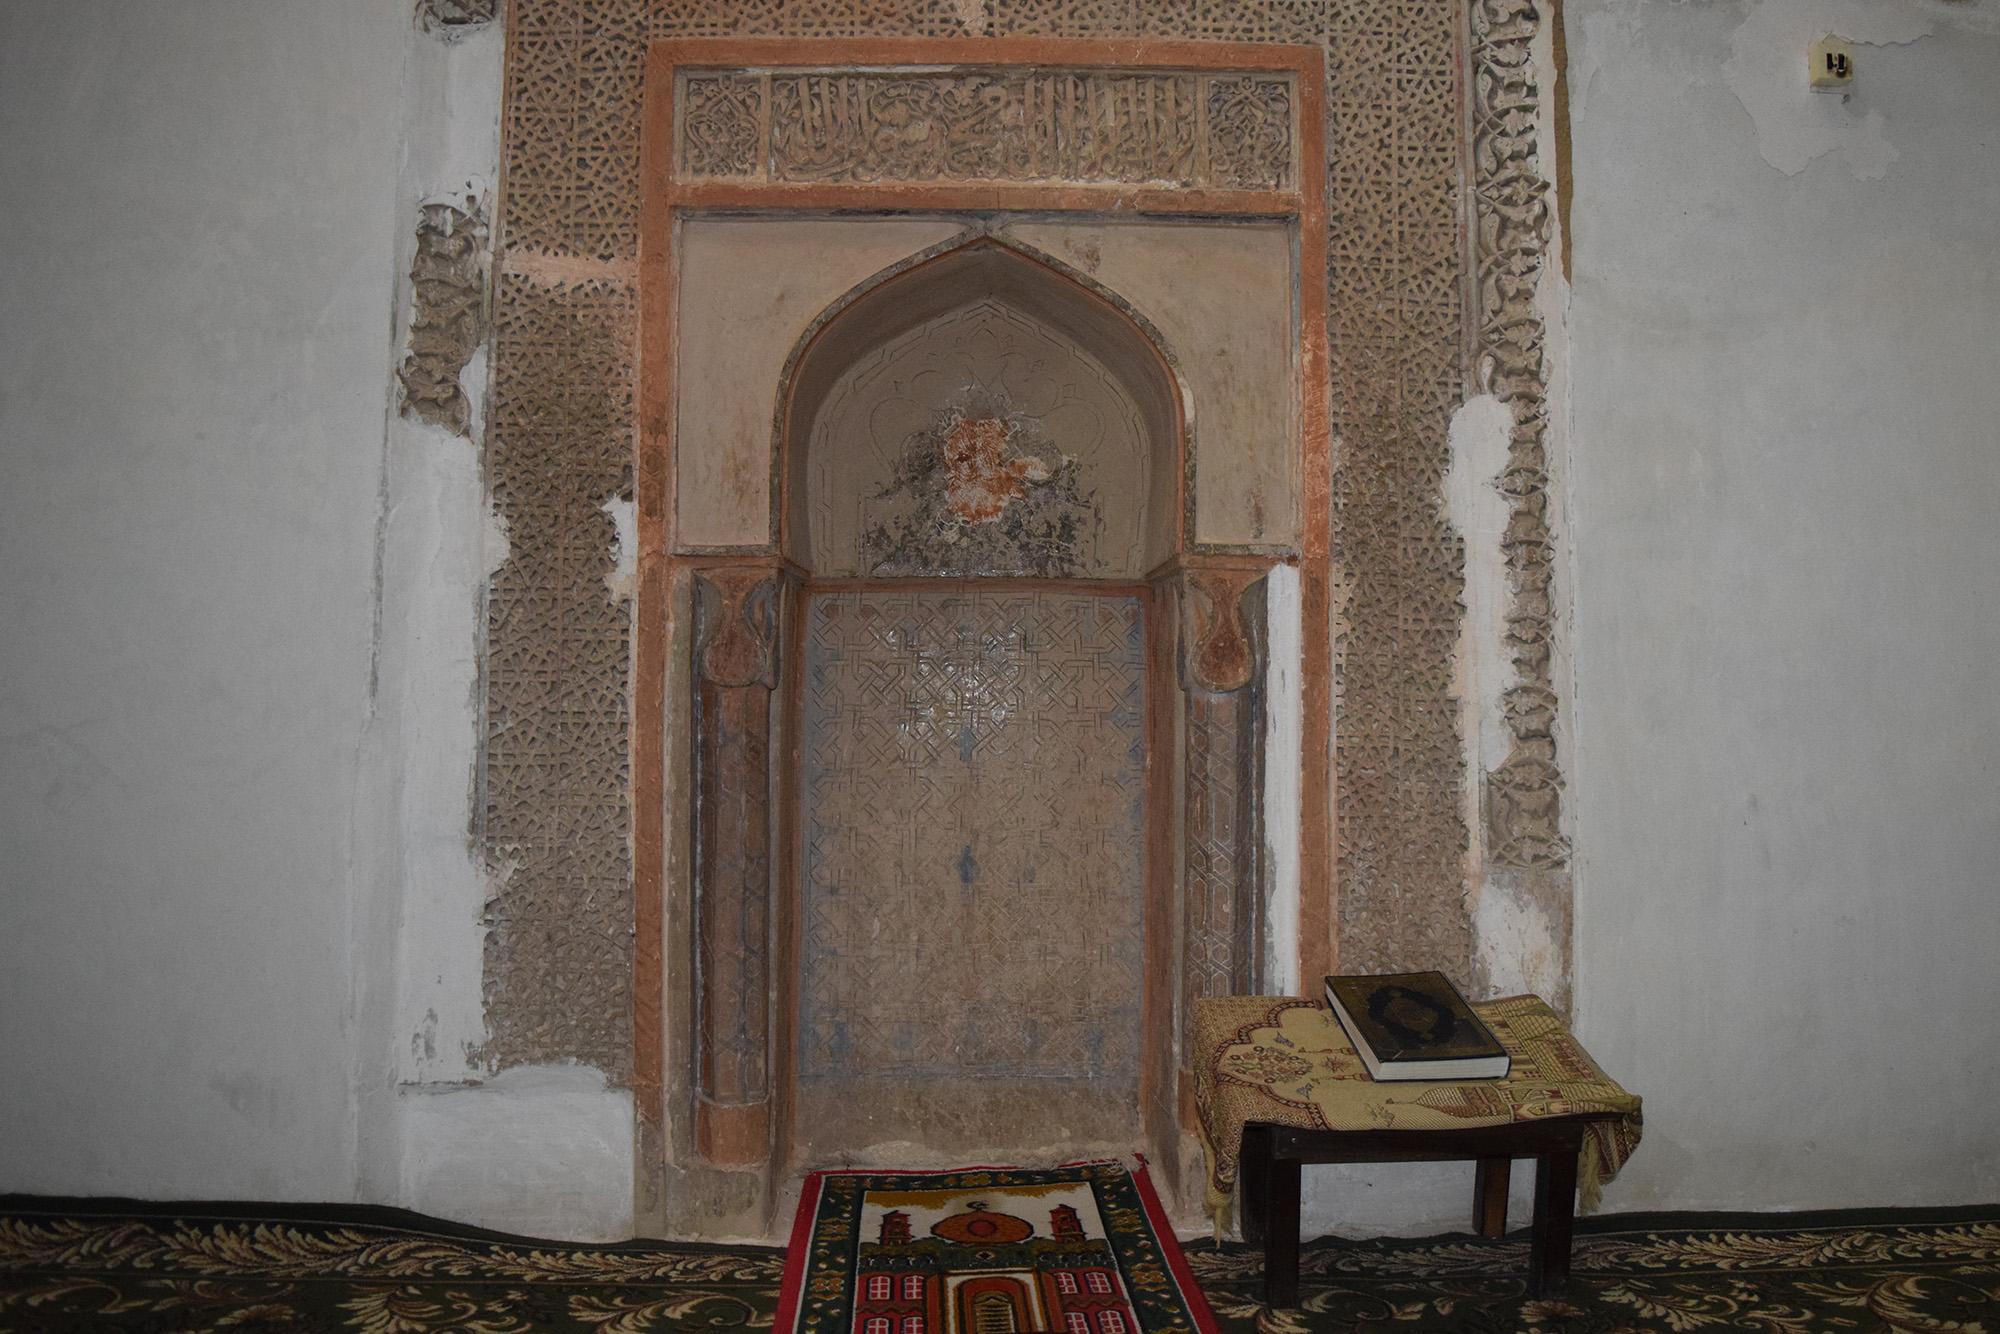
[[1766, 71], [496, 542], [971, 15], [1520, 917], [620, 581], [440, 539], [1521, 946], [450, 19], [563, 1132], [448, 311]]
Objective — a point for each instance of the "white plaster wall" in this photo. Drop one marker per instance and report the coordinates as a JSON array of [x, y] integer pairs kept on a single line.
[[439, 544], [195, 298], [545, 1151], [1284, 720], [1785, 471], [240, 938]]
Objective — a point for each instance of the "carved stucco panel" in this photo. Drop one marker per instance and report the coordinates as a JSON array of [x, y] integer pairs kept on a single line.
[[1394, 326], [722, 119], [1012, 123], [555, 820], [1250, 132], [448, 311], [1523, 796], [974, 840]]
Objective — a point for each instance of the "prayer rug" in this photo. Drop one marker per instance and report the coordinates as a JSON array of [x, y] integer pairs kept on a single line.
[[1080, 1249]]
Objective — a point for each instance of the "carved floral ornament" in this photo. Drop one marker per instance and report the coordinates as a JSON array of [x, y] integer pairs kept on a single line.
[[448, 311], [1229, 130], [1219, 652], [1523, 796], [737, 625]]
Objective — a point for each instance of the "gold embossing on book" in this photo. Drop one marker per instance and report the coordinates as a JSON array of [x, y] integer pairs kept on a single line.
[[1415, 1026]]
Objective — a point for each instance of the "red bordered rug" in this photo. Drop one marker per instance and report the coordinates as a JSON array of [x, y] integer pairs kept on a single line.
[[1080, 1249]]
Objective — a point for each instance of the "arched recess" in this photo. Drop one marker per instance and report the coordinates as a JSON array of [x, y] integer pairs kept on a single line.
[[1049, 359], [1005, 728], [982, 463]]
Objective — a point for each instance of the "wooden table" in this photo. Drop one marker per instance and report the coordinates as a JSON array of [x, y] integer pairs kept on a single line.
[[1274, 1154], [1277, 1084]]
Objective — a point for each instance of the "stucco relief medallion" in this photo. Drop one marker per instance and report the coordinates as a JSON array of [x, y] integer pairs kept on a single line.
[[982, 489], [980, 478]]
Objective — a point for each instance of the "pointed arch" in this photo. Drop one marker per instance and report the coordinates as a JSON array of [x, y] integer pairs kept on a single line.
[[931, 287]]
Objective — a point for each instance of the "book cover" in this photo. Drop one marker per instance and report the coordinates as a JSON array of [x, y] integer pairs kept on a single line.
[[1415, 1026]]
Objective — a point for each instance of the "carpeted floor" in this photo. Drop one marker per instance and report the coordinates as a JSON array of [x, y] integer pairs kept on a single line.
[[69, 1265]]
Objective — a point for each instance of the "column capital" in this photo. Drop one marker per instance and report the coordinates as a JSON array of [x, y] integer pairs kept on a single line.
[[738, 609], [1219, 653]]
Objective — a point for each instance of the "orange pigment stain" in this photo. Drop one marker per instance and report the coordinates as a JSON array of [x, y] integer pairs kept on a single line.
[[980, 481]]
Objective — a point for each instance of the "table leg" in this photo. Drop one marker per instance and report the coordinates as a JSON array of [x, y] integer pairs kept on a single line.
[[1253, 1165], [1281, 1232], [1489, 1196], [1555, 1216]]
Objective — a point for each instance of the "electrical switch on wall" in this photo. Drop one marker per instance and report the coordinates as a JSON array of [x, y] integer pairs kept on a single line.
[[1830, 63]]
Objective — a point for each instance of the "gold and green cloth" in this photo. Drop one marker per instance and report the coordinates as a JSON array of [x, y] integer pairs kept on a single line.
[[1285, 1061]]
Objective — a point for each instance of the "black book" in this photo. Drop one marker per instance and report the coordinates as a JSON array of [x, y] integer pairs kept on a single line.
[[1415, 1026]]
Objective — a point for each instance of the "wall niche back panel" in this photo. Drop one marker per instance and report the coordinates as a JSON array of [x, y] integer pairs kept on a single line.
[[974, 818]]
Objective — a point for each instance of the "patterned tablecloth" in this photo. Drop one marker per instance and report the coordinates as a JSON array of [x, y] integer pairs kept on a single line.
[[1287, 1061]]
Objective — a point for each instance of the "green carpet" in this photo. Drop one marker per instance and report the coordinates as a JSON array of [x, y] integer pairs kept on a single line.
[[74, 1265]]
